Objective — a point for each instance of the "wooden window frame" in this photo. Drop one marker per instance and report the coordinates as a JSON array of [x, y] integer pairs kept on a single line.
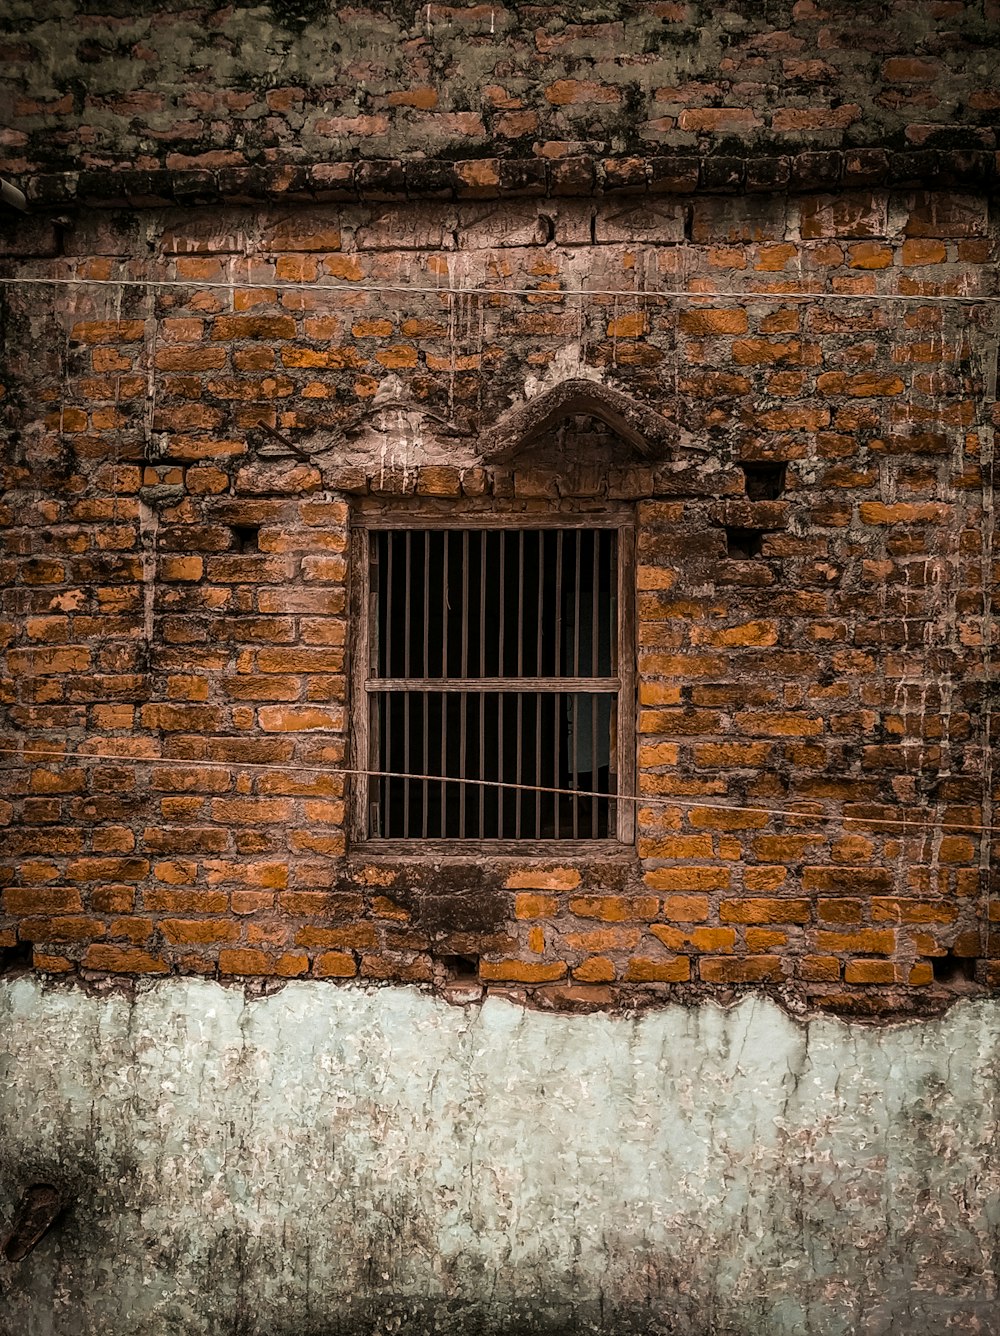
[[363, 613]]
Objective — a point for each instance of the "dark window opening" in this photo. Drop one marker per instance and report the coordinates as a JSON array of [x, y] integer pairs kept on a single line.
[[764, 482], [494, 658], [744, 544]]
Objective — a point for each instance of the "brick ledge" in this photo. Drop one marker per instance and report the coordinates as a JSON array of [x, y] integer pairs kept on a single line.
[[495, 178]]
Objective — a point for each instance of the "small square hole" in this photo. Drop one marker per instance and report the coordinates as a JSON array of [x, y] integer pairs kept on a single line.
[[953, 969], [245, 537], [17, 957], [462, 969], [764, 482], [744, 544]]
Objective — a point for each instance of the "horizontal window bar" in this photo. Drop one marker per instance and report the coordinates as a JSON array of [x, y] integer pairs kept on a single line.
[[473, 521]]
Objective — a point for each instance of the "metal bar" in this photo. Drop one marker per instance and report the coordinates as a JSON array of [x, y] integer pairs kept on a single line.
[[576, 774], [407, 783], [425, 795], [389, 545], [538, 765], [463, 706], [408, 595], [568, 684], [612, 518], [444, 767], [540, 669], [557, 666], [482, 603], [557, 772], [593, 765], [576, 606], [595, 660], [613, 609], [387, 809], [595, 616], [445, 656], [519, 796], [501, 606], [463, 699], [482, 765], [427, 600], [465, 603], [500, 775], [520, 601]]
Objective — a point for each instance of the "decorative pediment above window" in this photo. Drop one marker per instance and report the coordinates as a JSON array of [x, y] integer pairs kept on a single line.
[[578, 422]]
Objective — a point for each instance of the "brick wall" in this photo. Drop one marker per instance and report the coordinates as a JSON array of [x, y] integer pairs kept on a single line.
[[177, 586], [311, 100]]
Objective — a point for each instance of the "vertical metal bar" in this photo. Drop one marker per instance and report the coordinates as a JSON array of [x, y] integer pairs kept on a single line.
[[576, 604], [427, 604], [595, 669], [538, 765], [425, 784], [557, 773], [375, 819], [482, 673], [465, 603], [387, 765], [501, 698], [425, 795], [388, 604], [557, 670], [614, 610], [445, 665], [520, 602], [576, 774], [444, 765], [595, 615], [593, 764], [519, 793], [482, 603], [501, 671], [463, 705], [541, 598], [408, 593], [482, 764], [407, 767]]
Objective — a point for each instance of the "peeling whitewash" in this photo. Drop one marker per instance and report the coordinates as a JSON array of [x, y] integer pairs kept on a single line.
[[339, 1160]]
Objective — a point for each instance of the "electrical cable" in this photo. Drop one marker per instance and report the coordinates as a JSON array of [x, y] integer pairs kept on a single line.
[[786, 813], [549, 294]]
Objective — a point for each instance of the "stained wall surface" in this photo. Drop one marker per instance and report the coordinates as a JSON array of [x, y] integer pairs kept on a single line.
[[180, 583], [348, 1161], [287, 96]]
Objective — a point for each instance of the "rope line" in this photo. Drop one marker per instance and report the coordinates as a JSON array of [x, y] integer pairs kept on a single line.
[[787, 813], [460, 291]]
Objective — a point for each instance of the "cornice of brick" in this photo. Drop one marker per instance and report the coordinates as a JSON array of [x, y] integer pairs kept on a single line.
[[373, 180]]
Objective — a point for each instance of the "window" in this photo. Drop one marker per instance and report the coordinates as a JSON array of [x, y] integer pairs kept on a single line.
[[500, 650]]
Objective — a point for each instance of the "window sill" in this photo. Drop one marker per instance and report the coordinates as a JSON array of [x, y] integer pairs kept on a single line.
[[469, 851]]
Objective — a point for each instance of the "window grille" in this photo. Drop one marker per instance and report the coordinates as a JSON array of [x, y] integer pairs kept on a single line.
[[495, 653]]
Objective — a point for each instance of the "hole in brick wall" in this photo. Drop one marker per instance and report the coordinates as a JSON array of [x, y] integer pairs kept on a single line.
[[764, 482], [953, 969], [16, 957], [245, 537], [462, 969], [743, 544]]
